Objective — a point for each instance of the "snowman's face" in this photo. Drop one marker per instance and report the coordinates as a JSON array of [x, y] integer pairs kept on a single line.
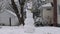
[[29, 5]]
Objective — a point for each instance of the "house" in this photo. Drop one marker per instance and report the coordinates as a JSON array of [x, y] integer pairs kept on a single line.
[[4, 18], [7, 15]]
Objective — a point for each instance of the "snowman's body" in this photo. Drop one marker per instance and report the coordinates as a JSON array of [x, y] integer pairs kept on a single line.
[[29, 23]]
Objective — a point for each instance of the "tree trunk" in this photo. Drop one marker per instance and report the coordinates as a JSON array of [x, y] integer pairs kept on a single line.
[[16, 10], [21, 2], [55, 13]]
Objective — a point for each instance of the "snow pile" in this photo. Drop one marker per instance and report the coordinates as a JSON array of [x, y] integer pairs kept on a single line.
[[47, 30], [39, 30]]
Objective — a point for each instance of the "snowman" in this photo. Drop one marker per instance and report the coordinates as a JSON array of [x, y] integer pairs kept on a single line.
[[29, 21]]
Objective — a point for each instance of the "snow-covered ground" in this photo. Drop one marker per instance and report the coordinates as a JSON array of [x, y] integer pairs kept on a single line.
[[20, 30]]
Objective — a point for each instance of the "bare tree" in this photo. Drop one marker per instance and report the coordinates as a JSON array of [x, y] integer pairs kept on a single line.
[[21, 2], [16, 10]]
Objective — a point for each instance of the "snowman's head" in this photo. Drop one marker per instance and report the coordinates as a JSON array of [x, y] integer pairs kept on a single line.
[[29, 5]]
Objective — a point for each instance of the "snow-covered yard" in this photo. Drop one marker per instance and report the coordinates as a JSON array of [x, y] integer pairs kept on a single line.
[[20, 30]]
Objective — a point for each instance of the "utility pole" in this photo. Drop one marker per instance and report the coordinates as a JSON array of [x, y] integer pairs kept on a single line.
[[55, 12]]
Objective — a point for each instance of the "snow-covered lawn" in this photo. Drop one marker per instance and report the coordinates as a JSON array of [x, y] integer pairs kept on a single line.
[[20, 30]]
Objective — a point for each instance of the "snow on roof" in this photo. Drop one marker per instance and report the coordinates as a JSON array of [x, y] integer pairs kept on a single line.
[[11, 12]]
